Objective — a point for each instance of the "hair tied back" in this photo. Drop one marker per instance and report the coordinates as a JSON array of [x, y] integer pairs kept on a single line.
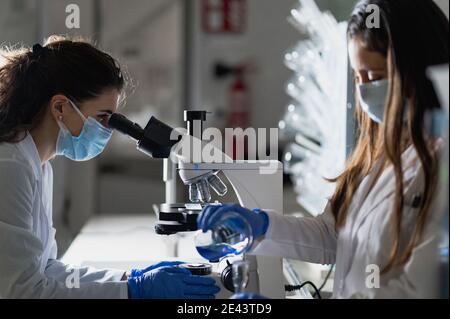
[[38, 50]]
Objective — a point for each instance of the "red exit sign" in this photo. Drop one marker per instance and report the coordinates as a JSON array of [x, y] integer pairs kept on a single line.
[[224, 16]]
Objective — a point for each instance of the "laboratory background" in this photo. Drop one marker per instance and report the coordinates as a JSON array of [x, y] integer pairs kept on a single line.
[[274, 64]]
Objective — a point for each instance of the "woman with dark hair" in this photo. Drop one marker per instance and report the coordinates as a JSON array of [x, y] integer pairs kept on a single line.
[[381, 225], [56, 100]]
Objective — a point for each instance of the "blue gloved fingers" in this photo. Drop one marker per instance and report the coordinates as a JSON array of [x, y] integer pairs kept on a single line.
[[177, 271], [201, 290], [199, 280], [135, 273], [208, 210], [248, 296], [140, 272], [224, 210], [258, 219], [201, 217], [168, 263], [210, 218], [199, 285], [171, 282], [212, 211], [164, 264], [200, 297], [265, 220], [134, 288]]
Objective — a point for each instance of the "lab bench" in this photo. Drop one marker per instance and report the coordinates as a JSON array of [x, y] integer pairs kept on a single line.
[[125, 242], [129, 241]]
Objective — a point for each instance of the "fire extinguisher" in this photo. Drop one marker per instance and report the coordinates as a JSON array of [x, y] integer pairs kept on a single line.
[[239, 102], [239, 107], [239, 114]]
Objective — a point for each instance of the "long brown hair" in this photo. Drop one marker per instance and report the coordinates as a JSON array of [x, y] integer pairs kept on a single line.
[[29, 78], [413, 35]]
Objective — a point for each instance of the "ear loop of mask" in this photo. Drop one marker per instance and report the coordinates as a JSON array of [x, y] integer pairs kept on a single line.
[[84, 117], [78, 111], [62, 126]]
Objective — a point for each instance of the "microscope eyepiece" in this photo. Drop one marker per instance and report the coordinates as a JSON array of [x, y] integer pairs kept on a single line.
[[156, 140], [120, 123]]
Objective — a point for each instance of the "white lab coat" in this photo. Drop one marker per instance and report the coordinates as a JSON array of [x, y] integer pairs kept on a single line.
[[28, 265], [365, 240]]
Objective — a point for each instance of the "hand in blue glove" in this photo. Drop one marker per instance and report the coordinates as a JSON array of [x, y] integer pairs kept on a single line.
[[257, 219], [248, 296], [140, 272], [171, 283]]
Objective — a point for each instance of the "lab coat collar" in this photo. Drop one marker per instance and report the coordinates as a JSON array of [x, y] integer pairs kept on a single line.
[[385, 185], [29, 150]]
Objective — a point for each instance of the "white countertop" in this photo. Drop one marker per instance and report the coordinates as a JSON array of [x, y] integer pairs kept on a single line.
[[127, 241]]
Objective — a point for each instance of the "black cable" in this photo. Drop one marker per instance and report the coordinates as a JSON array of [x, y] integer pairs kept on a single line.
[[325, 280], [290, 288]]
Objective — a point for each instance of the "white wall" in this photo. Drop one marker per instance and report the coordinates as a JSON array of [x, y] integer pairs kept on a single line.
[[147, 36], [268, 35], [18, 22]]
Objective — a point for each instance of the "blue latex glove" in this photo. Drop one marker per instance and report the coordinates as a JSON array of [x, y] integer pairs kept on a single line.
[[248, 296], [258, 219], [171, 283], [140, 272]]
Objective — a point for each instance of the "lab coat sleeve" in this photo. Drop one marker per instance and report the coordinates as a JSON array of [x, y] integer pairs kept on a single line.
[[308, 239], [60, 271], [21, 250]]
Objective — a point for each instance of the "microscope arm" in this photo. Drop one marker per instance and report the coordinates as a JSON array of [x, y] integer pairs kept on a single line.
[[160, 141], [156, 140]]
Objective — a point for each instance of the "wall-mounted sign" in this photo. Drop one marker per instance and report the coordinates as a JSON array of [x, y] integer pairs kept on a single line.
[[224, 16]]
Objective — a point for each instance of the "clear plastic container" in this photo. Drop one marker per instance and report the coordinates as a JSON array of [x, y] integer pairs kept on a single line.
[[240, 273], [231, 235]]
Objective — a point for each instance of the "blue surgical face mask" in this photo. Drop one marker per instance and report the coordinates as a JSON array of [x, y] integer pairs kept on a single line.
[[372, 97], [89, 144]]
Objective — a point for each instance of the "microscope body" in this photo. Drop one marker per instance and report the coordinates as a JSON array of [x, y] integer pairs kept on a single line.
[[257, 184]]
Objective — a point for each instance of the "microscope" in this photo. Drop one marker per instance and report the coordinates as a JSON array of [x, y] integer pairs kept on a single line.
[[257, 184]]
